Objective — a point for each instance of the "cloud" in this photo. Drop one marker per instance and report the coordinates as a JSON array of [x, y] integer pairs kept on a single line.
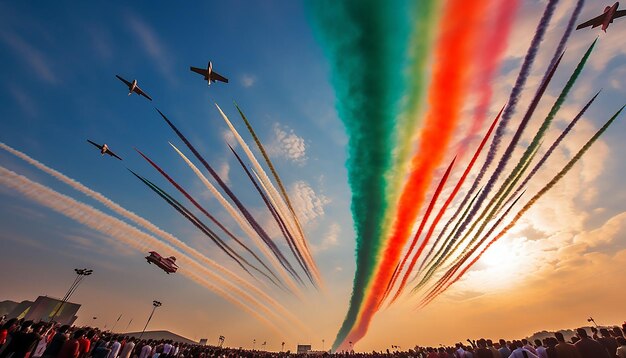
[[288, 145], [24, 101], [223, 171], [31, 56], [152, 45], [330, 240], [308, 205], [248, 80], [229, 138]]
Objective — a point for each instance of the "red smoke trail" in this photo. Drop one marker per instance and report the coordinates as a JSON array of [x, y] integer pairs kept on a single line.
[[537, 196], [443, 208], [416, 237], [437, 289], [492, 51], [455, 45]]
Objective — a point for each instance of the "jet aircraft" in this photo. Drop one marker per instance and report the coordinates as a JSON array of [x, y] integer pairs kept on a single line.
[[132, 87], [610, 13], [104, 149], [209, 74], [167, 264]]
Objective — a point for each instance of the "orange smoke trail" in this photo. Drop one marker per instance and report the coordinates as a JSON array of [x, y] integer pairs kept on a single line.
[[495, 42], [442, 210], [453, 54]]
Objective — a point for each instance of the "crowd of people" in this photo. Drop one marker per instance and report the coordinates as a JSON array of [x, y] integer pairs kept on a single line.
[[28, 339]]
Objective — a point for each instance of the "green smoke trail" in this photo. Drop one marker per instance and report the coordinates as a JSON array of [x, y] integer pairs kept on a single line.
[[365, 42], [431, 269], [534, 199], [515, 175]]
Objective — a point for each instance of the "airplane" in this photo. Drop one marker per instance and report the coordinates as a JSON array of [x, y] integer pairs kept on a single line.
[[167, 264], [610, 13], [104, 149], [132, 87], [209, 74]]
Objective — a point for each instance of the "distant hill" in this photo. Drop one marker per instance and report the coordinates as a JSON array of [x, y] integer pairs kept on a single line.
[[158, 335], [7, 306], [567, 333]]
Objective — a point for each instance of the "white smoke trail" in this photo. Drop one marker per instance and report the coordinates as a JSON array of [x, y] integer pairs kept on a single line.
[[273, 193], [133, 237], [243, 224], [149, 226]]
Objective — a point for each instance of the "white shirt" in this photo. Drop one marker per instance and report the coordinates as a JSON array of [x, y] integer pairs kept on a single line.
[[541, 352], [128, 349], [518, 353], [167, 348], [145, 351], [115, 349]]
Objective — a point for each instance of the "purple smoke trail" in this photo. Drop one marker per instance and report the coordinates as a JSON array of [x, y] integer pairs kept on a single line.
[[262, 234], [554, 145], [529, 59], [507, 154], [277, 217], [568, 30]]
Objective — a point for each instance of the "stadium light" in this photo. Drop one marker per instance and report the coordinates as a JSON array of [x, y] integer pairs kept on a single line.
[[80, 275], [155, 304]]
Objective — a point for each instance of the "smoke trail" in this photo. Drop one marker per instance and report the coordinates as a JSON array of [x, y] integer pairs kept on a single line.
[[520, 82], [452, 196], [264, 179], [516, 173], [501, 165], [568, 31], [275, 215], [365, 42], [132, 217], [208, 215], [554, 145], [409, 119], [544, 126], [458, 264], [288, 279], [492, 214], [541, 192], [433, 267], [234, 214], [198, 224], [290, 240], [490, 56], [446, 95], [138, 240], [433, 200]]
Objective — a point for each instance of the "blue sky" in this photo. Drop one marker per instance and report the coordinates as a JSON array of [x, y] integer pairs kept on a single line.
[[58, 88]]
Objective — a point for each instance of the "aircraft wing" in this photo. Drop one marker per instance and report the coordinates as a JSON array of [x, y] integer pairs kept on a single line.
[[139, 91], [201, 71], [123, 80], [217, 77], [109, 152], [593, 22], [97, 145], [619, 13]]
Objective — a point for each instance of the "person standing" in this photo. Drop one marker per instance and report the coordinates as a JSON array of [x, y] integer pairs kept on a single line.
[[504, 350], [56, 343], [115, 347], [520, 351], [146, 351], [564, 349], [541, 350], [128, 348], [588, 348], [71, 347], [621, 350]]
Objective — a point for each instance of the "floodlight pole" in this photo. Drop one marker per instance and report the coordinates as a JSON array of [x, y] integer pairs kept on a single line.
[[155, 304], [80, 275]]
